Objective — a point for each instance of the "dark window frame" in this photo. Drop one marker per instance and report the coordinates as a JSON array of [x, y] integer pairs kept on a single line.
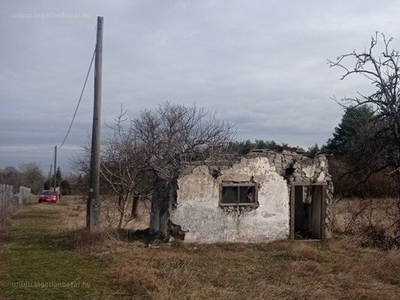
[[240, 201]]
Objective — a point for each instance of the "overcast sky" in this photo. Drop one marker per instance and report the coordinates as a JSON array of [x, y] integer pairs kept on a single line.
[[261, 64]]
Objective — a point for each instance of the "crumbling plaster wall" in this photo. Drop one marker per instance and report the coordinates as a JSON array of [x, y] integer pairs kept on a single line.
[[199, 213], [312, 170], [198, 209], [305, 169]]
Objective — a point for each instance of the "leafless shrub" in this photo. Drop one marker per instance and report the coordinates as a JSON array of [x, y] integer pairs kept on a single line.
[[375, 236], [374, 221]]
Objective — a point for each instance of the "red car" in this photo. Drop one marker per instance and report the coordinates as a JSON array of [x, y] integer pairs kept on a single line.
[[48, 196]]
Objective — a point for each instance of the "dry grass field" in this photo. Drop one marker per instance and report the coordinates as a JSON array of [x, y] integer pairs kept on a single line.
[[115, 266]]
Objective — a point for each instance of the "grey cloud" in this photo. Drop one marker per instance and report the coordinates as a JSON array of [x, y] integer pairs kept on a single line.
[[259, 64]]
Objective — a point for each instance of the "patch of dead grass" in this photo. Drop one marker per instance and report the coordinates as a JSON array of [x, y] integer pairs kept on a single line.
[[5, 220], [282, 270], [335, 269]]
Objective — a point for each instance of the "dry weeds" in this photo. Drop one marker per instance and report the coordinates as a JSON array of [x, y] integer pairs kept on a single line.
[[352, 215], [5, 220], [373, 221], [336, 269]]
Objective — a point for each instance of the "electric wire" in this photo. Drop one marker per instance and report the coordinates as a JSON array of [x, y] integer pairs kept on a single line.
[[79, 102]]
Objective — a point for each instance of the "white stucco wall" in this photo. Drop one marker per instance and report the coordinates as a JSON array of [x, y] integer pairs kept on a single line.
[[198, 209]]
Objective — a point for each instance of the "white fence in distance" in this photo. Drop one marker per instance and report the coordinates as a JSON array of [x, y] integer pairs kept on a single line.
[[24, 195], [6, 196]]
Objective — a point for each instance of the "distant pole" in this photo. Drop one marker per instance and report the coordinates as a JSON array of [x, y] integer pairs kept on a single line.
[[55, 167], [93, 203], [50, 176]]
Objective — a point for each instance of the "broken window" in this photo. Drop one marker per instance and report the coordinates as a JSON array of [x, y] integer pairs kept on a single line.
[[238, 194]]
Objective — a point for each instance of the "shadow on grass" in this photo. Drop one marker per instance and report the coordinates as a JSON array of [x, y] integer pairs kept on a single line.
[[128, 235], [82, 238]]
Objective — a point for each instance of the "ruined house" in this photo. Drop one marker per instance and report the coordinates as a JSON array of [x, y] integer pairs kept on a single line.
[[266, 196]]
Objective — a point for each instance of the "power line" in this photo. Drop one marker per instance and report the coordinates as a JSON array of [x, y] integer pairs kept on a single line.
[[79, 102]]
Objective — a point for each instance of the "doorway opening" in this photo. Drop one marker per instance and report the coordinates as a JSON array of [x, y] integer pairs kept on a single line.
[[307, 210]]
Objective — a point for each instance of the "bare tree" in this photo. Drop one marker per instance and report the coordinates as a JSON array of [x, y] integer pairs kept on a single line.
[[171, 135], [123, 166], [32, 176], [11, 176], [80, 162], [146, 157], [380, 142]]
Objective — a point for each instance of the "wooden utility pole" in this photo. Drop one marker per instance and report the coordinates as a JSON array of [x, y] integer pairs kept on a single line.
[[93, 203], [50, 176], [55, 168]]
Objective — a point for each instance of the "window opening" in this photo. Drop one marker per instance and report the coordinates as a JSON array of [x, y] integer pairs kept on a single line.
[[238, 194]]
